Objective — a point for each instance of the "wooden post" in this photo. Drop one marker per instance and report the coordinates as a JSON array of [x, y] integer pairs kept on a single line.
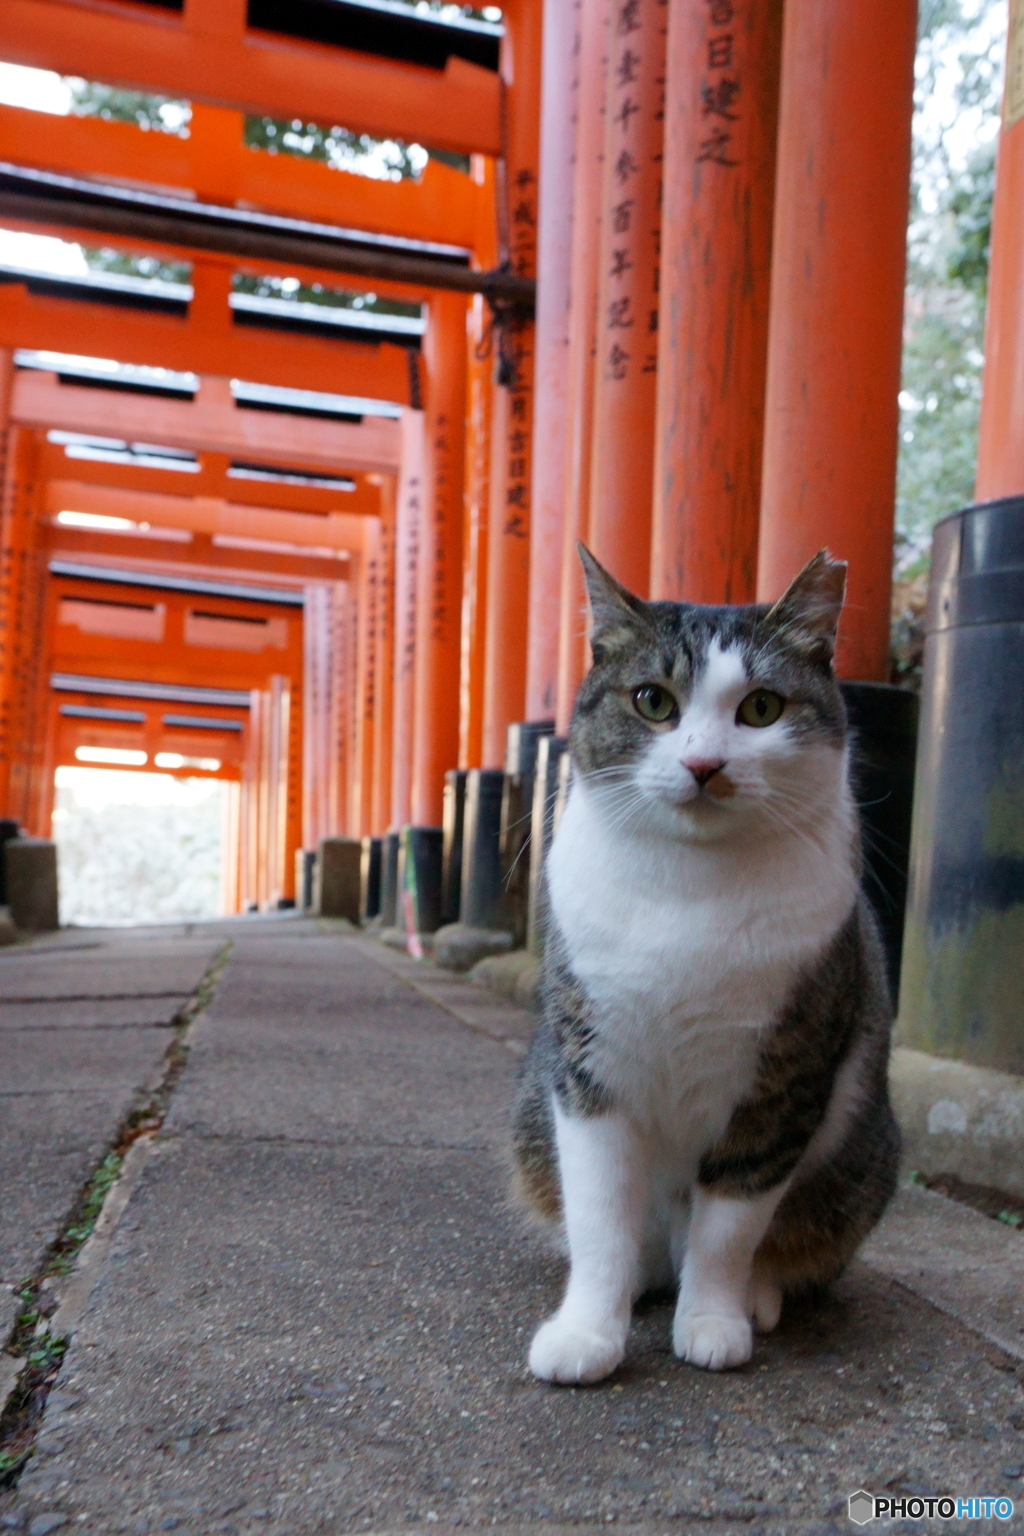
[[22, 579], [508, 543], [593, 23], [559, 82], [835, 337], [383, 722], [439, 601], [720, 132], [626, 365], [367, 586], [476, 511], [407, 559]]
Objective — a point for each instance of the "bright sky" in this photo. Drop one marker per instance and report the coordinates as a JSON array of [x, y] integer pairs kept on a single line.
[[963, 128], [38, 89], [96, 788]]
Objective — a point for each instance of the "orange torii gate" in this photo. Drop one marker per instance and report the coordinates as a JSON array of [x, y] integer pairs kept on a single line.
[[447, 215], [205, 51], [137, 541], [699, 217]]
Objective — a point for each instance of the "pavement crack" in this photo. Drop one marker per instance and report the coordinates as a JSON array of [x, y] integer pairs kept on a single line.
[[34, 1349], [41, 1029], [97, 997], [314, 1141]]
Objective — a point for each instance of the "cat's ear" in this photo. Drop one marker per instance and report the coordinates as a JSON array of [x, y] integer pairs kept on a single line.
[[808, 611], [617, 616]]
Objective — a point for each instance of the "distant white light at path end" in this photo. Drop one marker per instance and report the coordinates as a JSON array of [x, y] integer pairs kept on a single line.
[[124, 757], [176, 760], [94, 520]]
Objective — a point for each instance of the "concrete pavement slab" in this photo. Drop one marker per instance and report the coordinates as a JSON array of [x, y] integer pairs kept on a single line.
[[471, 1003], [319, 1339], [71, 1071], [80, 1061], [160, 968], [314, 1317], [965, 1263], [90, 1013], [49, 1144], [144, 977], [329, 1046]]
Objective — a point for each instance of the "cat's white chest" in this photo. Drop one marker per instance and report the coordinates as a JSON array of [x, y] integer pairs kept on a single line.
[[687, 952]]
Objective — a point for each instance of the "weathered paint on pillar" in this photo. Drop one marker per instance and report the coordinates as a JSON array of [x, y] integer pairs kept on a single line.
[[835, 336], [626, 365], [439, 602], [1001, 434], [593, 23], [559, 82], [508, 541], [384, 699], [407, 559], [722, 82], [476, 511]]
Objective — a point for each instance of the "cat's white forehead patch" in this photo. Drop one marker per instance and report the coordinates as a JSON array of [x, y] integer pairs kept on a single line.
[[724, 675]]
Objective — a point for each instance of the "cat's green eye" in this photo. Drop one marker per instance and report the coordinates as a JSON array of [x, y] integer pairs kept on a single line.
[[762, 707], [653, 702]]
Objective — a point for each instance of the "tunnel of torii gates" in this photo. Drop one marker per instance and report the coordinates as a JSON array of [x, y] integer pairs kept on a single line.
[[662, 311]]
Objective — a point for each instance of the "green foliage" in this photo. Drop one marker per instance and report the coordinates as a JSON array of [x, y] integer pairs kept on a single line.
[[162, 114], [386, 159], [959, 60], [450, 157], [939, 409], [361, 153], [969, 205], [103, 259], [93, 1196], [319, 293]]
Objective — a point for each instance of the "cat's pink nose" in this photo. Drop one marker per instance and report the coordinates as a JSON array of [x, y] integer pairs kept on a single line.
[[703, 768]]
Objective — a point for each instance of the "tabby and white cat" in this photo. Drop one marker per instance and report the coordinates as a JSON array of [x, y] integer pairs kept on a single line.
[[706, 1098]]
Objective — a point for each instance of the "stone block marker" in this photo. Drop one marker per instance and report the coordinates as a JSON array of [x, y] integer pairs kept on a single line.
[[336, 878], [31, 877]]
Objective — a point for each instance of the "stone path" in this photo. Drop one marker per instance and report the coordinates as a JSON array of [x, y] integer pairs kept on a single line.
[[313, 1314], [84, 1025]]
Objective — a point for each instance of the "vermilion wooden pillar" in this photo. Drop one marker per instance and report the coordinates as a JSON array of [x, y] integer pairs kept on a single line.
[[383, 728], [476, 511], [1001, 437], [341, 729], [22, 577], [593, 23], [722, 77], [508, 540], [560, 78], [10, 542], [367, 588], [831, 415], [626, 362], [407, 558], [439, 601]]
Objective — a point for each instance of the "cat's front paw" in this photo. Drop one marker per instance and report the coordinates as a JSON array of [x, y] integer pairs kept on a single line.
[[714, 1342], [569, 1353]]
